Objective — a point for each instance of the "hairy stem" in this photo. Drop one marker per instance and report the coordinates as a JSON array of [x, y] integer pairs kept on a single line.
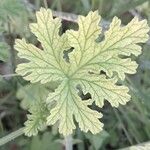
[[11, 136], [68, 143], [45, 4]]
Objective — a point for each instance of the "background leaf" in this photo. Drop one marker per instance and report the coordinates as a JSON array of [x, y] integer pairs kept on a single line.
[[45, 142]]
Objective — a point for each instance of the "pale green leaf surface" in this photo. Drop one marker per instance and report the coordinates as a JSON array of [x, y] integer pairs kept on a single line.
[[87, 59], [83, 40], [39, 68], [101, 88], [121, 66], [69, 104], [118, 41], [45, 65]]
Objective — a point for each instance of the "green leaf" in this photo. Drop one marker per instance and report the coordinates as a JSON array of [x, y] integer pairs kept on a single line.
[[33, 98], [86, 61], [36, 119], [30, 93], [45, 142], [4, 53]]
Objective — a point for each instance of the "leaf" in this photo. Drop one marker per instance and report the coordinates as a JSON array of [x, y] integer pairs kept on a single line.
[[33, 98], [37, 119], [69, 104], [4, 53], [83, 68], [105, 55], [30, 93], [101, 88], [44, 142], [40, 68]]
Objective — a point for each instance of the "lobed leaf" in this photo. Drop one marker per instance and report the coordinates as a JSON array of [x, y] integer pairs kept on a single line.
[[86, 61]]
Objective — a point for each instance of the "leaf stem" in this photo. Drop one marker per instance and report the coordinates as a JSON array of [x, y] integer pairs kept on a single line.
[[68, 143], [45, 4], [80, 137], [11, 136]]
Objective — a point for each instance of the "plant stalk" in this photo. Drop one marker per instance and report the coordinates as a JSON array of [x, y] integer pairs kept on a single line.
[[68, 143], [11, 136], [45, 4]]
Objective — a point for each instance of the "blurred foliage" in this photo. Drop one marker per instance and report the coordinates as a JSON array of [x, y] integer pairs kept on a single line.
[[4, 53], [30, 93], [124, 127], [46, 142], [97, 141], [12, 8], [119, 7]]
